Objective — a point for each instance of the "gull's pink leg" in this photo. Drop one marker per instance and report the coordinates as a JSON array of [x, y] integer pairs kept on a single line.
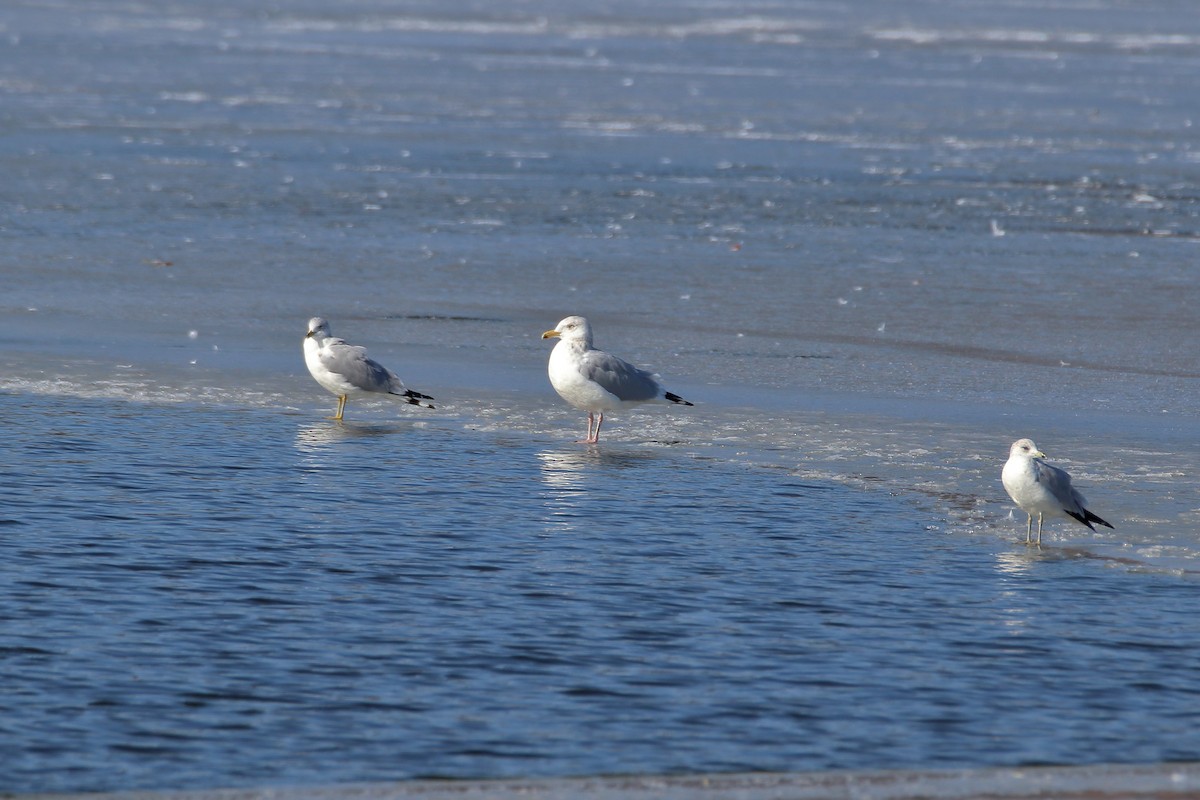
[[588, 439]]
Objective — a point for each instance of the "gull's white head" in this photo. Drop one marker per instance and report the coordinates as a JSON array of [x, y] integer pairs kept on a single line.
[[571, 329], [1025, 448], [318, 328]]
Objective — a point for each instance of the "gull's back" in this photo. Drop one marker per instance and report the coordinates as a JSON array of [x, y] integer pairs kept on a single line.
[[627, 383]]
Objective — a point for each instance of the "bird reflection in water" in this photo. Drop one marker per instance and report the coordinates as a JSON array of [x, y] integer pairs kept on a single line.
[[569, 477], [1016, 608], [318, 435]]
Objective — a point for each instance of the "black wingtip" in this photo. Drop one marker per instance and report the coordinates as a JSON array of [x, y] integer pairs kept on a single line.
[[415, 398], [674, 398], [1087, 518], [1080, 518]]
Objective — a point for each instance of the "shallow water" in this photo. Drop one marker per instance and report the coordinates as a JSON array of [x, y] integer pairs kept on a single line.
[[203, 597], [874, 243]]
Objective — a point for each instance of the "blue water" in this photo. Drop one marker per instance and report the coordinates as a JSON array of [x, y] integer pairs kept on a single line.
[[874, 243], [199, 598]]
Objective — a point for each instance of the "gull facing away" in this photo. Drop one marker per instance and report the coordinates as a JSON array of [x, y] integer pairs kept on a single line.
[[345, 370], [1039, 488], [595, 381]]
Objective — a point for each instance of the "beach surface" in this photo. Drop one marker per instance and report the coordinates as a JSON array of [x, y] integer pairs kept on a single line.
[[874, 243], [1101, 782]]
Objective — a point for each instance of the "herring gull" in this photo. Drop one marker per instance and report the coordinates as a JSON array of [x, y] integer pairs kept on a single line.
[[595, 381]]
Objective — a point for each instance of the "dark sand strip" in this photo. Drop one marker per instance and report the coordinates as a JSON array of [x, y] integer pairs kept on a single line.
[[1104, 782]]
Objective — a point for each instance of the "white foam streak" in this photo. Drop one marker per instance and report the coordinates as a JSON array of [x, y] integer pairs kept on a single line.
[[753, 25], [1020, 36]]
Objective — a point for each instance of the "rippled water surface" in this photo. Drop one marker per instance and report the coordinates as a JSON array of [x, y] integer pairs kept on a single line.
[[197, 597], [874, 242]]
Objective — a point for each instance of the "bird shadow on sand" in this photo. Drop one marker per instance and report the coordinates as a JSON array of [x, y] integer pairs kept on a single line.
[[1047, 552]]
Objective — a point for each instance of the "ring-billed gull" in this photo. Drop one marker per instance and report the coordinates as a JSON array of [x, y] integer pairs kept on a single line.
[[1040, 488], [595, 381], [345, 370]]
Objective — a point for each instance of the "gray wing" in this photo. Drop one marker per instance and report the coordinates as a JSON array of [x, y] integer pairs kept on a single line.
[[351, 362], [621, 378], [1058, 483]]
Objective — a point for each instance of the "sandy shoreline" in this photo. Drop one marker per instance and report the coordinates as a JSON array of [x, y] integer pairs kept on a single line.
[[1096, 782]]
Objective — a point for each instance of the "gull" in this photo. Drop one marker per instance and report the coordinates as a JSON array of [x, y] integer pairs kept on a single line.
[[595, 381], [345, 370], [1040, 488]]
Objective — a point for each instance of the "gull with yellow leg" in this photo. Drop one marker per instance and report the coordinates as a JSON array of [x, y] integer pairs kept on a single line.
[[345, 371], [1042, 489]]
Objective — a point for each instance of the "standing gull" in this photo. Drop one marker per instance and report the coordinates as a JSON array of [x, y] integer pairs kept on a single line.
[[1039, 488], [595, 381], [345, 370]]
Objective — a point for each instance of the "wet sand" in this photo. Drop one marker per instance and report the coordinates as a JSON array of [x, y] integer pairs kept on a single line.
[[873, 242], [1097, 782]]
